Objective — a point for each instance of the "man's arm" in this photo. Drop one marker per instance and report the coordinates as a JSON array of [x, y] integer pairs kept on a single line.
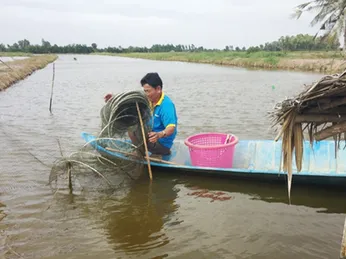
[[168, 131], [169, 119]]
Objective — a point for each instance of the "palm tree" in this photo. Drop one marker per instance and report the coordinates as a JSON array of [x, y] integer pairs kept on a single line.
[[331, 13]]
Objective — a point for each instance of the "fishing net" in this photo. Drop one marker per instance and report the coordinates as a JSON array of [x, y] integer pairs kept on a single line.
[[119, 117], [120, 113]]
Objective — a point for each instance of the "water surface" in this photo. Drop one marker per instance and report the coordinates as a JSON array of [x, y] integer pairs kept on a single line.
[[162, 219]]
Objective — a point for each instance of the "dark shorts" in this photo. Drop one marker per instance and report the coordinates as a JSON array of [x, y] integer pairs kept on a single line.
[[158, 149]]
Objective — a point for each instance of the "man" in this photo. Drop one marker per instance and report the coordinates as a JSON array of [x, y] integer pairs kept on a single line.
[[164, 119], [164, 116]]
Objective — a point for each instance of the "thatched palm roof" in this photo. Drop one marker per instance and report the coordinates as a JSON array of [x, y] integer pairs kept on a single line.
[[319, 111]]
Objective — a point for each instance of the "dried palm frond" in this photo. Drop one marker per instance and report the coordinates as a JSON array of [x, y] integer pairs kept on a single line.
[[322, 108], [298, 144]]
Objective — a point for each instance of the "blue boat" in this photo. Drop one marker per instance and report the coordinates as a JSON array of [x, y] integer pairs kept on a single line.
[[253, 159]]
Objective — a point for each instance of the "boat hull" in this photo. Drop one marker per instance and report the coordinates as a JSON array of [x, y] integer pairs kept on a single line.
[[255, 160]]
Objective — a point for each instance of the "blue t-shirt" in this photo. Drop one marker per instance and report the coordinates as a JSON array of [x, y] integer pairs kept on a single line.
[[164, 115]]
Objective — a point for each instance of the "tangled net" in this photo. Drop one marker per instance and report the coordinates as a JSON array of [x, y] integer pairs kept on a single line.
[[119, 116]]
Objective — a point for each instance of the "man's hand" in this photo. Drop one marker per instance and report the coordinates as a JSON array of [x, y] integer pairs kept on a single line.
[[154, 136], [107, 97]]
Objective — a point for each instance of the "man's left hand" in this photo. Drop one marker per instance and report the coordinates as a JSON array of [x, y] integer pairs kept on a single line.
[[153, 137]]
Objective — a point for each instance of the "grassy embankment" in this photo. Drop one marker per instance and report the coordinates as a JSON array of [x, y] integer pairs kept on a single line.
[[19, 69], [318, 61], [15, 54]]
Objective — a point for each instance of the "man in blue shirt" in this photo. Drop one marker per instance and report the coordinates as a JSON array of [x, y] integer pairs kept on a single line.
[[164, 116], [164, 121]]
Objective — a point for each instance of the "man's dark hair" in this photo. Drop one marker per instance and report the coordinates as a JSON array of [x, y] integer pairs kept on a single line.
[[152, 79]]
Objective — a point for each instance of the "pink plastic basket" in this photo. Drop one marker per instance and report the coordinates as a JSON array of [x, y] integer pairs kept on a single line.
[[210, 149]]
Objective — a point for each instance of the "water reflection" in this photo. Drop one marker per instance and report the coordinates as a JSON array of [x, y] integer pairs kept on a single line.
[[325, 199], [147, 220], [135, 223]]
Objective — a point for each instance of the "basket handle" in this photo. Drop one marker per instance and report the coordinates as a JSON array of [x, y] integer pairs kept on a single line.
[[229, 138]]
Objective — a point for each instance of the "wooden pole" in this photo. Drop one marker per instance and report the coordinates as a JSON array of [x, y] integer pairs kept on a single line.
[[6, 64], [330, 131], [145, 141], [69, 168], [51, 94]]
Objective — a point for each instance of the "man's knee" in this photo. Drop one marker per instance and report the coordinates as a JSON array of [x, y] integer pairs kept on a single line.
[[158, 149]]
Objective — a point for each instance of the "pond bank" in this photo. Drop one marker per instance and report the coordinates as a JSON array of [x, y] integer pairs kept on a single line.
[[13, 71], [323, 62]]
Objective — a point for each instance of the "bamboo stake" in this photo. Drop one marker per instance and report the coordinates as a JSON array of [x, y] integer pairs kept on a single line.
[[69, 168], [145, 141], [51, 95], [134, 155], [6, 65]]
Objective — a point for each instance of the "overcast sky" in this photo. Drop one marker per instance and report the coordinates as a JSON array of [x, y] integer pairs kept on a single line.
[[207, 23]]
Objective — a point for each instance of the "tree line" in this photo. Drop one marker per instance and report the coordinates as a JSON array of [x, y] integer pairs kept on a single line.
[[300, 42]]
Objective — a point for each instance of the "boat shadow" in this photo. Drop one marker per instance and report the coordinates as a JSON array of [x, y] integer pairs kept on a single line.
[[323, 198]]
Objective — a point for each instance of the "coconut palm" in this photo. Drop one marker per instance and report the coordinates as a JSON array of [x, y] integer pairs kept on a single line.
[[331, 13]]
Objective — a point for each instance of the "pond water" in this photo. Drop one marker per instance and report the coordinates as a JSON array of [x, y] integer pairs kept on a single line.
[[161, 219]]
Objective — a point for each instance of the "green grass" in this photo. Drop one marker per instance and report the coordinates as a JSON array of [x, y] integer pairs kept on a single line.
[[15, 54], [210, 57], [234, 54], [317, 61]]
